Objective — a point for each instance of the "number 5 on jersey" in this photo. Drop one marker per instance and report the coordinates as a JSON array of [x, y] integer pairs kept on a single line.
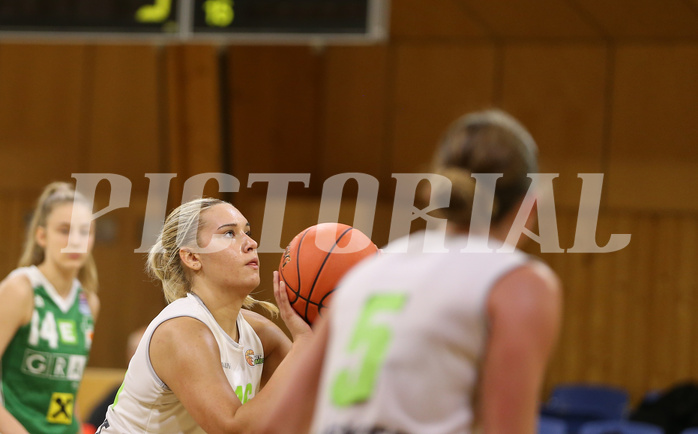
[[351, 387]]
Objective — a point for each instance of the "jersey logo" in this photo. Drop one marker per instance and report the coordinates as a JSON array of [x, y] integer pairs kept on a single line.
[[83, 304], [60, 410], [252, 358]]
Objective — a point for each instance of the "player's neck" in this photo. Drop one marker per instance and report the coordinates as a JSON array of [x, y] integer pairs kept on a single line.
[[61, 279], [224, 308]]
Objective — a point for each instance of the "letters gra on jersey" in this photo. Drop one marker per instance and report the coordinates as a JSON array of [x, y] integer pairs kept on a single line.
[[539, 199], [57, 366]]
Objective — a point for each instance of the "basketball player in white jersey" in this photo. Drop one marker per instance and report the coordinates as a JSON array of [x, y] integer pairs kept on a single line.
[[204, 357], [431, 343]]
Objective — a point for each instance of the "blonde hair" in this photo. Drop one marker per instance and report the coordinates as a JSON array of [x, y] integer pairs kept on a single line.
[[180, 230], [489, 141], [56, 193]]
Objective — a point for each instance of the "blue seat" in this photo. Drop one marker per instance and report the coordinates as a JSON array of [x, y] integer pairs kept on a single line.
[[577, 404], [549, 425], [690, 431], [620, 427]]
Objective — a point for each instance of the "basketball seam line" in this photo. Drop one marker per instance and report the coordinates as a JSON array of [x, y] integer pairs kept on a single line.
[[298, 272], [317, 276], [298, 268]]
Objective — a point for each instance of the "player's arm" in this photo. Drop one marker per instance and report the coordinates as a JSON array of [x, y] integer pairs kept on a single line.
[[276, 344], [292, 410], [8, 424], [93, 302], [15, 311], [524, 312]]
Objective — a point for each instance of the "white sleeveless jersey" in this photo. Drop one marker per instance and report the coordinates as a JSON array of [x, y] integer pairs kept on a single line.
[[407, 337], [145, 404]]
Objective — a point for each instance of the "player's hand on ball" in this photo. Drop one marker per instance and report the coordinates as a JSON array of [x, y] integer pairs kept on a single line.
[[296, 325]]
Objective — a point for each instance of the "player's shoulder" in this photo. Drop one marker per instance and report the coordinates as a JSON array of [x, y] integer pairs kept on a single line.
[[17, 297], [537, 272], [526, 286], [16, 286], [267, 331], [173, 331], [257, 321]]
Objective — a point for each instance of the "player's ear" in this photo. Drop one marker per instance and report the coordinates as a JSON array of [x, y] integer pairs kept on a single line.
[[190, 259], [40, 236]]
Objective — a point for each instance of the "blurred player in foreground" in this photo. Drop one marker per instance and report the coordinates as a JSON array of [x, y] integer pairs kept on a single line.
[[453, 342]]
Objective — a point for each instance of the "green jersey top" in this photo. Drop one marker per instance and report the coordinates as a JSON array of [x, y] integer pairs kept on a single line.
[[43, 364]]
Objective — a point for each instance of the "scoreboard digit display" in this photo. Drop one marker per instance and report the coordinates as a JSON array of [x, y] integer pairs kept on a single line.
[[280, 16], [196, 19], [81, 16]]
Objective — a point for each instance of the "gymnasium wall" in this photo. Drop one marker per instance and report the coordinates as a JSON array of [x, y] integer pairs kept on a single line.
[[603, 86]]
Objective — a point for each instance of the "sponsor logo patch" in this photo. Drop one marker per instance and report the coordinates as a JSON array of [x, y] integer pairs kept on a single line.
[[57, 366], [253, 359], [60, 410]]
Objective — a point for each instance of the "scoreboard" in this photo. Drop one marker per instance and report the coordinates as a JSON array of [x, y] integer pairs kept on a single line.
[[358, 20]]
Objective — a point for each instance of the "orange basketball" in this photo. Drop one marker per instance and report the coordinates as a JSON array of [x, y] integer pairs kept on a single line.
[[315, 261]]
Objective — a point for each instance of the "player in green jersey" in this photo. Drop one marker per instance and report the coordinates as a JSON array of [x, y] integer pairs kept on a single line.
[[47, 317]]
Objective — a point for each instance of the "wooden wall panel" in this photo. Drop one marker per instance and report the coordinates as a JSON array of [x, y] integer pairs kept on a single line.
[[41, 91], [124, 124], [354, 111], [193, 104], [568, 358], [434, 84], [644, 18], [129, 298], [437, 18], [663, 331], [653, 163], [550, 19], [636, 360], [627, 314], [558, 93], [554, 91], [275, 109], [685, 287], [16, 209], [688, 286], [8, 258], [600, 322], [622, 291]]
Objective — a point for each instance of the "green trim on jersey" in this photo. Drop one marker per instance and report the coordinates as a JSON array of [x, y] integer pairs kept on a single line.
[[43, 365]]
